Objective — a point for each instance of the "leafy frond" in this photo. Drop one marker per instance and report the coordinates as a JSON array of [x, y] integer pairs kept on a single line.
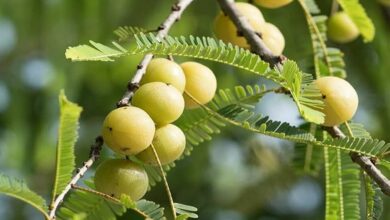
[[359, 16], [96, 52], [327, 60], [290, 77], [312, 6], [254, 122], [187, 210], [93, 206], [128, 32], [308, 159], [210, 49], [351, 187], [334, 205], [18, 189], [374, 202], [67, 136]]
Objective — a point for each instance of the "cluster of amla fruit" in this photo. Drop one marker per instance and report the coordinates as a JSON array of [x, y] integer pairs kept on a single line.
[[225, 29], [145, 127]]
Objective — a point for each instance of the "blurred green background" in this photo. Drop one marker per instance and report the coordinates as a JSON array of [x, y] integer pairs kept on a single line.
[[238, 175]]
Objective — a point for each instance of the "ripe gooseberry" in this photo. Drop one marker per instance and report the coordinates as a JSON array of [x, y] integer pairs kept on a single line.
[[117, 176], [273, 39], [163, 102], [201, 84], [340, 98], [128, 130], [169, 143], [225, 29], [272, 3], [341, 28], [164, 70]]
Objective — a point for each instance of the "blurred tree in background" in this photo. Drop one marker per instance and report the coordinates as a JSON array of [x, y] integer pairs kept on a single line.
[[236, 176]]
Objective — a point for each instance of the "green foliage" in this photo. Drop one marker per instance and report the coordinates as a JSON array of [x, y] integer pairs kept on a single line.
[[308, 159], [312, 6], [94, 206], [291, 78], [128, 32], [98, 52], [186, 210], [358, 15], [334, 205], [18, 189], [328, 61], [374, 202], [67, 136]]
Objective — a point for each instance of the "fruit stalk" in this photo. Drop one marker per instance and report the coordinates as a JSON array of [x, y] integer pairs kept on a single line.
[[176, 11], [254, 39], [258, 47]]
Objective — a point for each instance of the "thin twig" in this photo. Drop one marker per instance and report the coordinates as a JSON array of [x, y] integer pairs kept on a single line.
[[165, 182], [94, 155], [176, 11], [243, 26], [260, 48]]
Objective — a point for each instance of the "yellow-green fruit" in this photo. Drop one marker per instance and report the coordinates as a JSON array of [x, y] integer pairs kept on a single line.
[[201, 84], [225, 29], [273, 39], [169, 142], [128, 130], [116, 177], [341, 28], [272, 3], [163, 102], [340, 98], [166, 71]]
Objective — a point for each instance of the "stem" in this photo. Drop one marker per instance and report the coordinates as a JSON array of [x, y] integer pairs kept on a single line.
[[108, 197], [243, 26], [176, 11], [165, 182], [94, 155]]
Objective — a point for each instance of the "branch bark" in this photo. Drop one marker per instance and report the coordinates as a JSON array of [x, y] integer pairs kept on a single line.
[[364, 162], [258, 46], [243, 26], [94, 155], [176, 11]]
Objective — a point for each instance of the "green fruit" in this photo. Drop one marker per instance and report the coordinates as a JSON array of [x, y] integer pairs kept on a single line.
[[201, 84], [273, 39], [116, 177], [166, 71], [163, 102], [341, 28], [272, 3], [169, 142], [340, 98], [128, 130], [225, 29]]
